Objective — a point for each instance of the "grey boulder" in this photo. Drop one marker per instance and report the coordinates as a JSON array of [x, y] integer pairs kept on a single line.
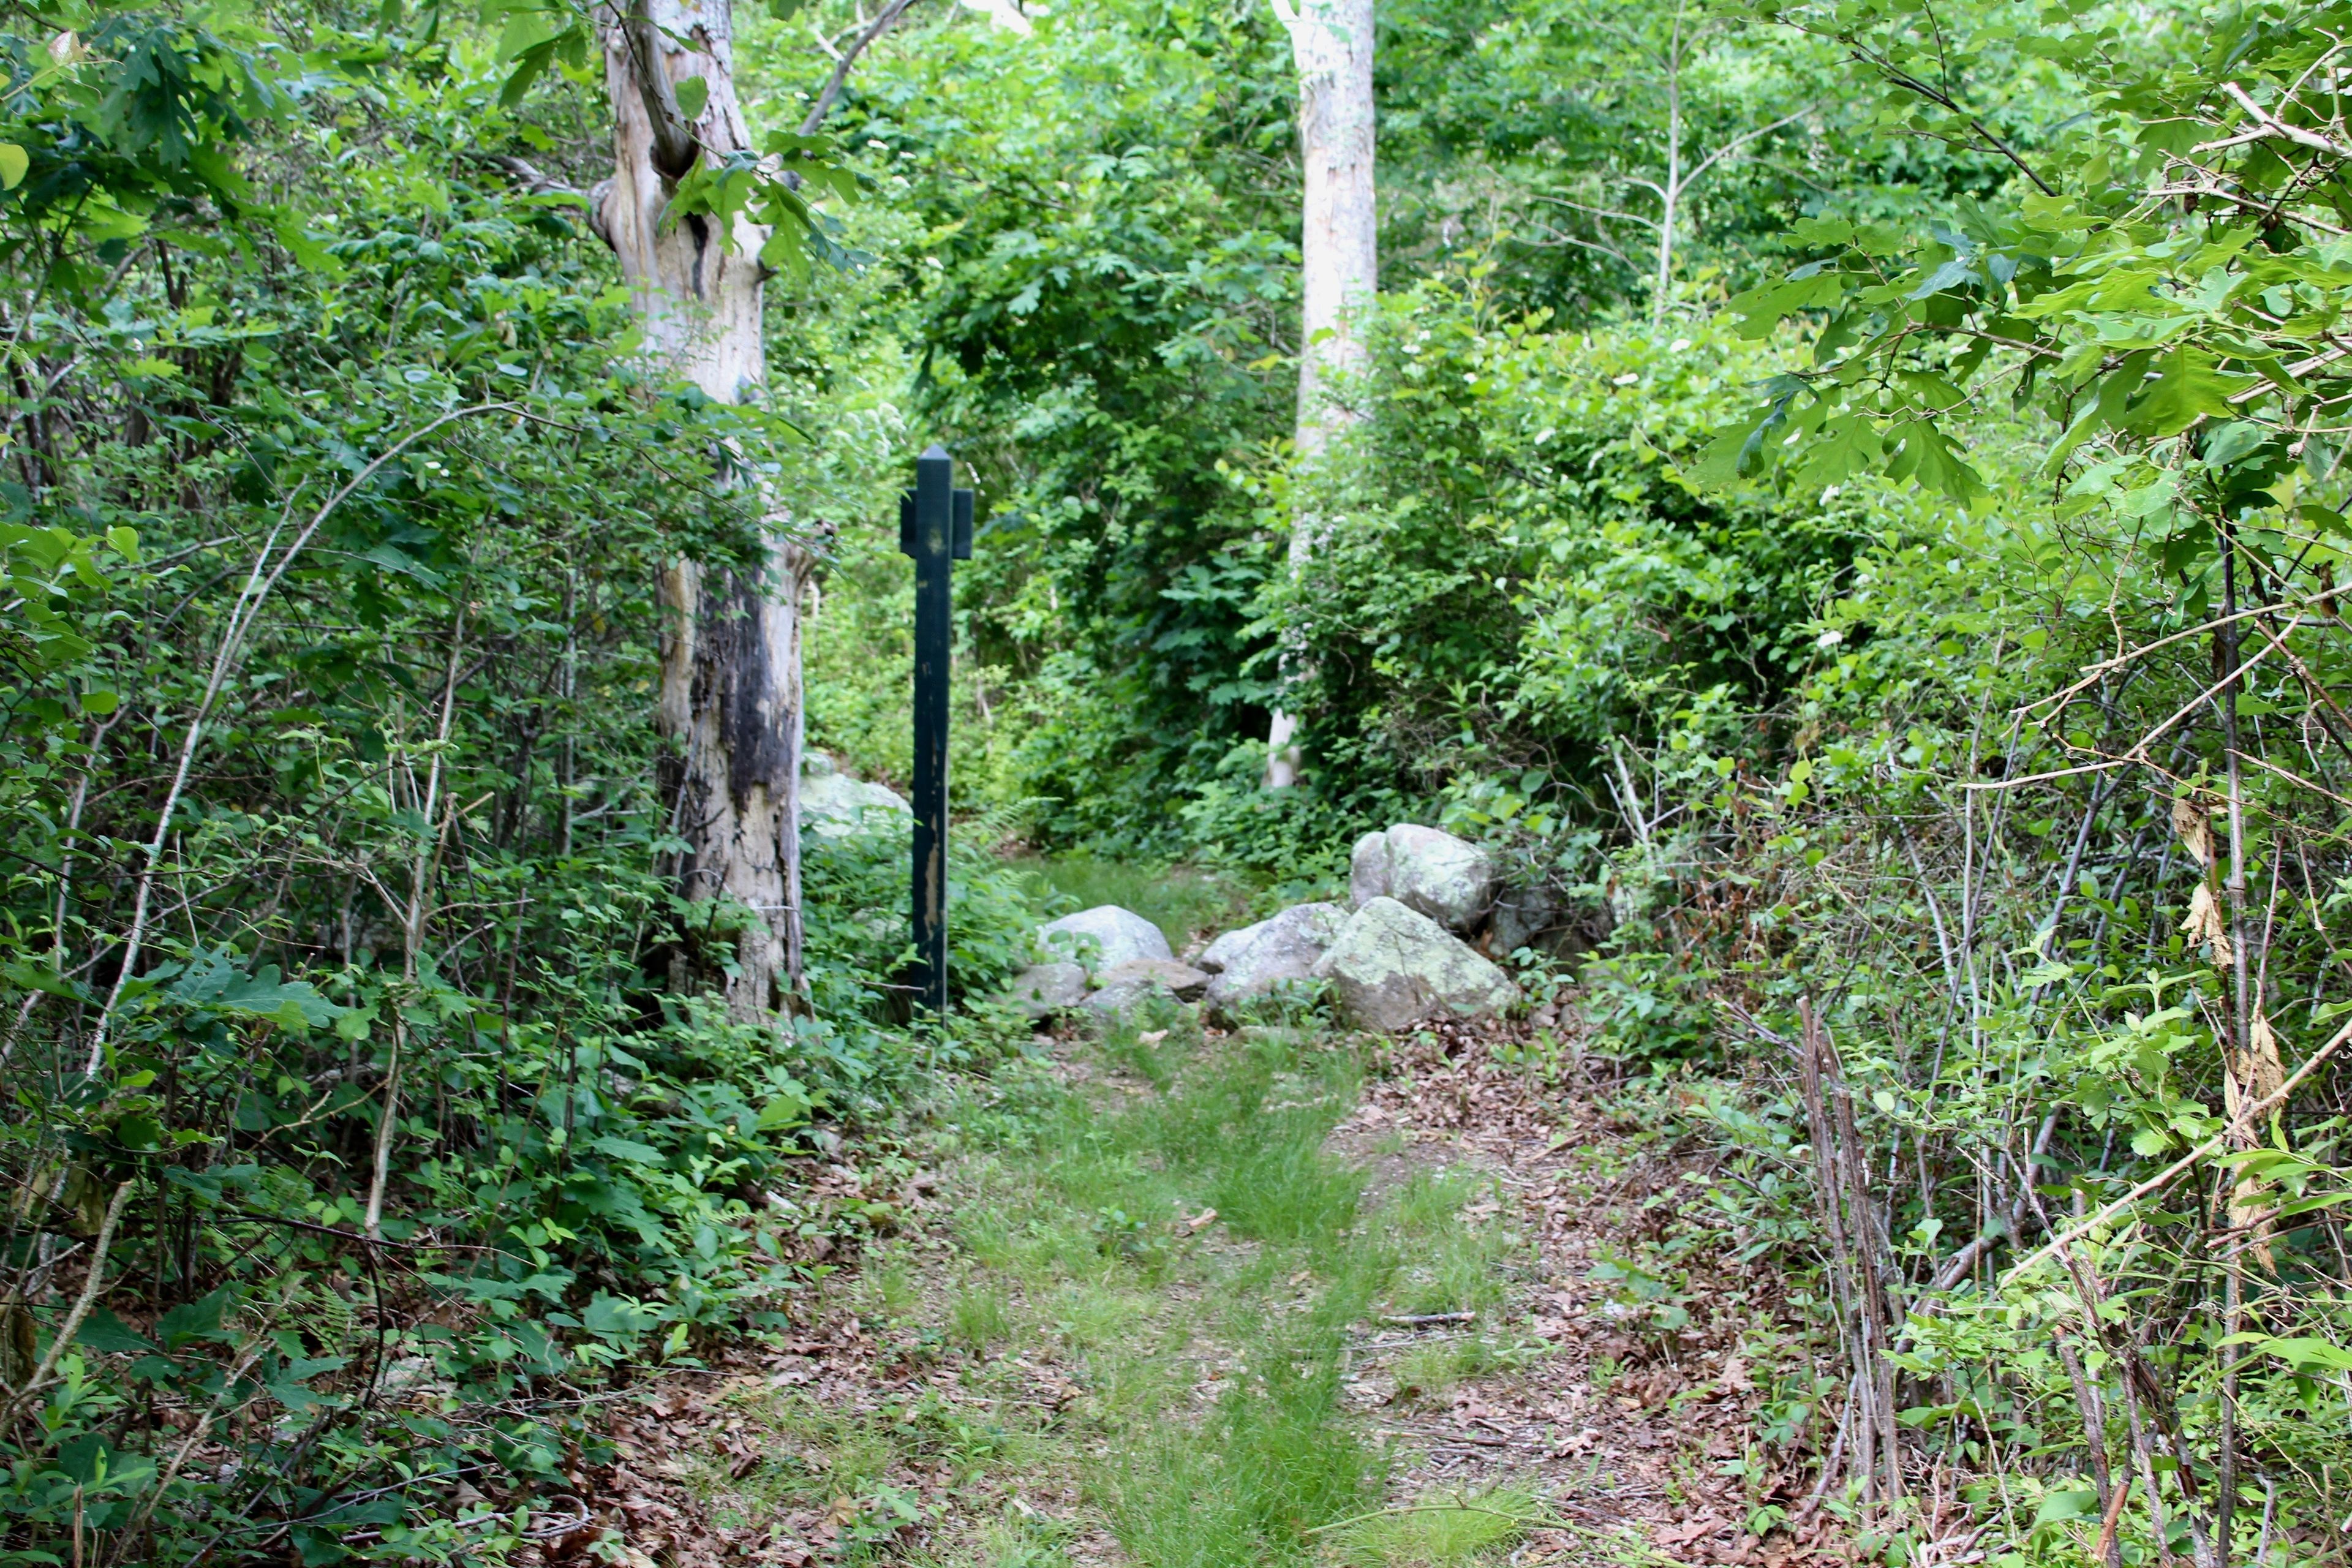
[[1227, 948], [835, 805], [1117, 936], [1285, 947], [1521, 916], [1449, 880], [1124, 985], [1044, 989], [1392, 966]]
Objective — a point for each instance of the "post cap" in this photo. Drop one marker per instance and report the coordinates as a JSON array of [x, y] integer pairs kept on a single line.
[[935, 453]]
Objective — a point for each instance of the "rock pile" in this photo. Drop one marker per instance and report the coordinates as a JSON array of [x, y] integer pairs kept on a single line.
[[1106, 959], [1123, 985], [1252, 962], [1430, 872], [1395, 966], [1104, 935], [1393, 959]]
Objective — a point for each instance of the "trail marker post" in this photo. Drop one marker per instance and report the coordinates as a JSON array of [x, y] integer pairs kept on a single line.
[[935, 528]]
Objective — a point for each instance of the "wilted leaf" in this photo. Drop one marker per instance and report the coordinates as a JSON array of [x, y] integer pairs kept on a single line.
[[2204, 924], [2190, 822]]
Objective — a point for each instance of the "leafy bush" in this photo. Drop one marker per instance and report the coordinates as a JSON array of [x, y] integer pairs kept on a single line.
[[368, 1104], [1509, 571]]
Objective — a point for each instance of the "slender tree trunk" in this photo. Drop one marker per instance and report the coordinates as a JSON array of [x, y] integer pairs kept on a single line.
[[730, 689], [1670, 197], [1331, 42], [2238, 1058]]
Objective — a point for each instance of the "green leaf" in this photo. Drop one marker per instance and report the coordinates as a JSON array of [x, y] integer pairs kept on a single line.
[[2188, 388], [527, 70], [391, 558], [617, 1317], [14, 163], [693, 93], [786, 1110], [41, 977], [2057, 972], [198, 1320], [212, 982], [527, 30], [1952, 273], [2225, 444], [628, 1148], [2310, 1355], [2066, 1503], [534, 51], [305, 247], [1926, 454], [105, 1333]]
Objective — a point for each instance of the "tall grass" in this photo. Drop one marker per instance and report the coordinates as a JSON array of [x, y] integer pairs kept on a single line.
[[1238, 1127]]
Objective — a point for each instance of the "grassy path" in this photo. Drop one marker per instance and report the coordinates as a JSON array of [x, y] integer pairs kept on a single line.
[[1187, 1302]]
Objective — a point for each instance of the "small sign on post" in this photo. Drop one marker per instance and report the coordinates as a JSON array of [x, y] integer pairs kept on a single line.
[[935, 528]]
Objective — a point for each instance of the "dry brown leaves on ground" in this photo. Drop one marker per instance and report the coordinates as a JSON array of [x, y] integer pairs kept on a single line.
[[1612, 1420]]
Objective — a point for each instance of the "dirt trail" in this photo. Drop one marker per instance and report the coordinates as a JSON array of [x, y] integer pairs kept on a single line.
[[1614, 1420], [1563, 1342]]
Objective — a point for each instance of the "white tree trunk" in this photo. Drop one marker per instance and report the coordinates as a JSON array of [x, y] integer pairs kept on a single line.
[[730, 691], [1331, 43]]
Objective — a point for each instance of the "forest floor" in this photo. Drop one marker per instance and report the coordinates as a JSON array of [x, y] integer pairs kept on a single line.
[[1181, 1297]]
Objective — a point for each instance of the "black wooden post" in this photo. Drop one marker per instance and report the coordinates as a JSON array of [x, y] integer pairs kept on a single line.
[[935, 528]]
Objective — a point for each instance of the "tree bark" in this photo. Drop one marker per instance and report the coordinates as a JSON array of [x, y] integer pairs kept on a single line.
[[1339, 251], [731, 667]]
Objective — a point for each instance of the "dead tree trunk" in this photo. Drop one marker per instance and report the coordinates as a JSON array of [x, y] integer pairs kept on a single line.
[[1339, 255], [731, 688]]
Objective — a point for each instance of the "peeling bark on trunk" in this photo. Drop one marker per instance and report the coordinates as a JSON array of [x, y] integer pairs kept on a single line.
[[730, 692], [1338, 253]]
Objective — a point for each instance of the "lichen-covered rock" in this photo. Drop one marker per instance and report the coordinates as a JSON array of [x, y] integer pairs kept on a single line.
[[1447, 879], [1123, 985], [1392, 967], [1227, 948], [1044, 989], [1285, 947], [833, 805], [1368, 868], [1103, 936]]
